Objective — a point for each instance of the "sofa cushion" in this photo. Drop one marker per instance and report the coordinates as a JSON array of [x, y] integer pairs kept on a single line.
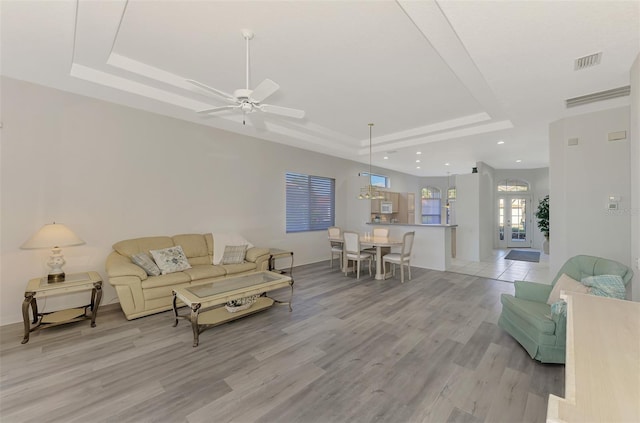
[[566, 283], [143, 260], [130, 247], [533, 313], [204, 271], [232, 269], [171, 259], [194, 247], [234, 254], [165, 280]]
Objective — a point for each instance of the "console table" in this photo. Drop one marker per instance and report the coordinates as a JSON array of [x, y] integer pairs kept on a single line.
[[602, 371]]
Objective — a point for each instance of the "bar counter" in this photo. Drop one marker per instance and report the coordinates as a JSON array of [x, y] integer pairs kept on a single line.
[[433, 247]]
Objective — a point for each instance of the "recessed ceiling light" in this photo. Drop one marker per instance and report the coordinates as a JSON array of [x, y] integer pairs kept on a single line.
[[386, 158], [447, 164], [500, 142], [418, 152], [418, 161], [518, 161], [417, 167]]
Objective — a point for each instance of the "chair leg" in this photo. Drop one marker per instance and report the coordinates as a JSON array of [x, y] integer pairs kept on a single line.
[[358, 271], [346, 267], [370, 260], [331, 261], [401, 273], [409, 268]]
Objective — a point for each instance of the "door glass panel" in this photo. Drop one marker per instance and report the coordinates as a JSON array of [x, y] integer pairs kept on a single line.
[[501, 219], [518, 220]]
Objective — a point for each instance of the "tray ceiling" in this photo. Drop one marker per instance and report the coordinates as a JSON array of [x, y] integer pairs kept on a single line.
[[449, 79]]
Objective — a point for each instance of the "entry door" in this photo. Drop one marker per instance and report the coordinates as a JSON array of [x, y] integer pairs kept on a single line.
[[514, 221]]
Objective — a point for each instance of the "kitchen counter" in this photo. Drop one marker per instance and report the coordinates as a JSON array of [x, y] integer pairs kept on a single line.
[[433, 247]]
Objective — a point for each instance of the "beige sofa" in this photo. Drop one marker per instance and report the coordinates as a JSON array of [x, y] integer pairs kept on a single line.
[[141, 295]]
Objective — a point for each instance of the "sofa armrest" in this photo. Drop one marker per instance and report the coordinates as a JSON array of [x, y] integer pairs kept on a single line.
[[118, 265], [532, 291], [561, 328], [255, 253]]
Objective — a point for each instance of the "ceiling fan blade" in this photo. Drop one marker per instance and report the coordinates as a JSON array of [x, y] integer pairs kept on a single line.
[[215, 109], [283, 111], [264, 90], [211, 90]]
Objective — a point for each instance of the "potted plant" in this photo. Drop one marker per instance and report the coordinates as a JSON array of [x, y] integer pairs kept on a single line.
[[543, 221]]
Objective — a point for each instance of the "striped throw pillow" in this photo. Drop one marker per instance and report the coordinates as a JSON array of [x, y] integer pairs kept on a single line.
[[234, 254]]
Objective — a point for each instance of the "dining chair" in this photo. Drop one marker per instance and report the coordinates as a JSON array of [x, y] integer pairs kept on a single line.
[[336, 246], [402, 258], [352, 252]]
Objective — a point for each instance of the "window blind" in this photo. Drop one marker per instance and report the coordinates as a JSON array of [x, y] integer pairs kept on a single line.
[[310, 202]]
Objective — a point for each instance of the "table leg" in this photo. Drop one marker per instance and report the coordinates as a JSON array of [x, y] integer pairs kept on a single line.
[[291, 298], [175, 309], [195, 310], [28, 301], [34, 309], [291, 269], [379, 264], [96, 297]]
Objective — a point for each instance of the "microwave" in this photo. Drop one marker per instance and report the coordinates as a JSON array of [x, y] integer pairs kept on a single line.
[[386, 207]]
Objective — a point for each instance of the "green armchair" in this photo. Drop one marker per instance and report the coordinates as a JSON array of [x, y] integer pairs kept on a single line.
[[527, 316]]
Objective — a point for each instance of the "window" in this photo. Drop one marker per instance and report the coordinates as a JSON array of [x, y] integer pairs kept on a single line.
[[310, 202], [513, 186], [378, 180], [431, 204]]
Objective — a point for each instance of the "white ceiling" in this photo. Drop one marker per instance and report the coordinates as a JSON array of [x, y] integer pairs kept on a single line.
[[447, 78]]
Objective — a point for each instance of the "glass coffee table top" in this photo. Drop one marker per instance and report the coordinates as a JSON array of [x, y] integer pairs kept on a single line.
[[235, 283]]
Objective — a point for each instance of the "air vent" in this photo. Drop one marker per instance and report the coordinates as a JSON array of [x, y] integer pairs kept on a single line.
[[587, 61], [600, 96]]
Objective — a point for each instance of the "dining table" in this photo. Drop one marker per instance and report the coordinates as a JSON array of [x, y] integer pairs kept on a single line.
[[368, 240]]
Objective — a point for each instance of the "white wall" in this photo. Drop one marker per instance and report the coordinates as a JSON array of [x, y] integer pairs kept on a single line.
[[110, 173], [468, 217], [635, 176], [581, 178], [487, 210]]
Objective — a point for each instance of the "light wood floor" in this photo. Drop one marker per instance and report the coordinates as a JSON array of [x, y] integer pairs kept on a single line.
[[427, 350]]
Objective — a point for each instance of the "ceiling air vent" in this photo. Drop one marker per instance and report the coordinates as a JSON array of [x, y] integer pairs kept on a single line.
[[600, 96], [587, 61]]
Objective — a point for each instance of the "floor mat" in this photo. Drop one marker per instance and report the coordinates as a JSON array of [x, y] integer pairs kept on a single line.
[[533, 256]]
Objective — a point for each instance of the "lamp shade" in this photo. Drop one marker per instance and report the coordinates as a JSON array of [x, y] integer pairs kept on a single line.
[[52, 235]]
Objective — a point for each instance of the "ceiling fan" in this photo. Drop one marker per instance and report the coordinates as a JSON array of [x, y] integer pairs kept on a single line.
[[245, 99]]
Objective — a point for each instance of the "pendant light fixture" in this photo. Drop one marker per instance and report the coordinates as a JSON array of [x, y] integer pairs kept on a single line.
[[370, 192]]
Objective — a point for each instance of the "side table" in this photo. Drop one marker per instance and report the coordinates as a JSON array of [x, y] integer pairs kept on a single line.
[[40, 288], [277, 253]]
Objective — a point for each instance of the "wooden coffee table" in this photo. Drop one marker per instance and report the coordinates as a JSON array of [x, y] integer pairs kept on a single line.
[[207, 301]]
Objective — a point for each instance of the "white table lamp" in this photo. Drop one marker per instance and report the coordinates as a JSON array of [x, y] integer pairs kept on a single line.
[[54, 236]]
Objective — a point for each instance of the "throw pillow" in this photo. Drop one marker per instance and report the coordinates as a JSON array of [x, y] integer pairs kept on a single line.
[[220, 241], [234, 254], [143, 260], [171, 259], [566, 283], [606, 286]]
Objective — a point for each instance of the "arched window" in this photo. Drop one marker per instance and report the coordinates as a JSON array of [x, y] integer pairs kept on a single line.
[[431, 205], [512, 185]]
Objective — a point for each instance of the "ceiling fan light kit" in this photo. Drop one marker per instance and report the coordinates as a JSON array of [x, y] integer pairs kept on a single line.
[[245, 99]]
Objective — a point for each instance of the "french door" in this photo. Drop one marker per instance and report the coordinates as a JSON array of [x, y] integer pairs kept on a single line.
[[514, 221]]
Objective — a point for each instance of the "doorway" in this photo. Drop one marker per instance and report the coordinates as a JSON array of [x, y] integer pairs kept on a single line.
[[514, 221]]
